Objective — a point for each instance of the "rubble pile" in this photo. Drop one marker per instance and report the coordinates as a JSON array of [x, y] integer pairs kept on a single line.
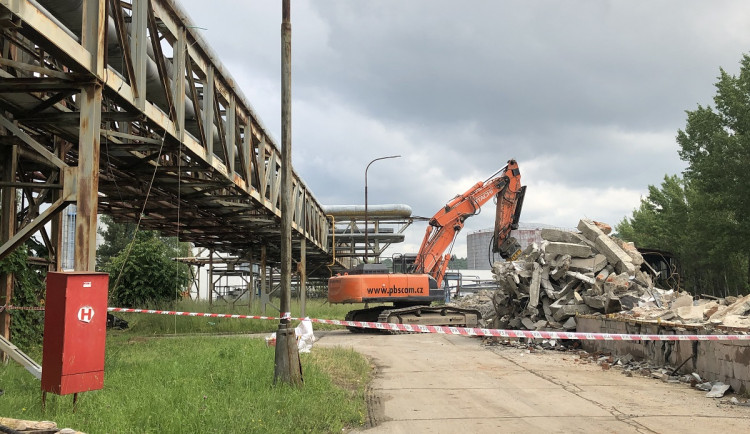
[[729, 312], [589, 272], [570, 273]]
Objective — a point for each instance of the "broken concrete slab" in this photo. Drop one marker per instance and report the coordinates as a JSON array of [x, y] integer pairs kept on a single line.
[[597, 302], [681, 301], [536, 280], [562, 236], [625, 267], [570, 324], [617, 283], [574, 250], [562, 264], [590, 230], [631, 250], [569, 310], [582, 277], [718, 390], [612, 251], [594, 264]]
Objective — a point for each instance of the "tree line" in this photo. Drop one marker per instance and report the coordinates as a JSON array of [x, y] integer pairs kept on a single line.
[[702, 216]]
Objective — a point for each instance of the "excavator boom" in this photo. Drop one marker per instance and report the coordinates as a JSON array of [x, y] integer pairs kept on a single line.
[[505, 186], [412, 292]]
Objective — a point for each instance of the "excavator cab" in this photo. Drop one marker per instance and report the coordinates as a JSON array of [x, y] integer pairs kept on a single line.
[[404, 263]]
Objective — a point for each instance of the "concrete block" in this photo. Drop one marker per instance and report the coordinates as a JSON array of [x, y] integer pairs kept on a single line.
[[589, 265], [681, 301], [632, 251], [611, 250], [562, 265], [528, 323], [582, 277], [561, 236], [569, 310], [536, 280], [545, 307], [574, 250], [690, 313], [617, 283], [590, 230], [626, 267], [595, 302]]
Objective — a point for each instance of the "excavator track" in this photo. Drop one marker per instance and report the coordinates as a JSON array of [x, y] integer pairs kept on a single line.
[[365, 315], [431, 315], [414, 315]]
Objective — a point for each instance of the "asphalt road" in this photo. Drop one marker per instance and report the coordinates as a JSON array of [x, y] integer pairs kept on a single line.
[[451, 384]]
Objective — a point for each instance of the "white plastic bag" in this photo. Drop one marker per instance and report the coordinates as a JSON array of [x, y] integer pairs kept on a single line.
[[305, 336]]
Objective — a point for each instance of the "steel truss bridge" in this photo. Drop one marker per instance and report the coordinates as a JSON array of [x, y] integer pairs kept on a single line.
[[121, 108]]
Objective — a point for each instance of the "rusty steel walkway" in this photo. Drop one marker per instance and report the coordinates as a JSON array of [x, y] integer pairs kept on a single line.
[[133, 116]]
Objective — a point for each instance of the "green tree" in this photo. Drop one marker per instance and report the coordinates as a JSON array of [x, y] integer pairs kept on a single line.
[[26, 325], [116, 237], [457, 263], [144, 274], [716, 145]]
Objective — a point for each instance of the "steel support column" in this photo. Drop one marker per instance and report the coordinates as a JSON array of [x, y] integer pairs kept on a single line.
[[263, 280], [88, 179], [92, 39]]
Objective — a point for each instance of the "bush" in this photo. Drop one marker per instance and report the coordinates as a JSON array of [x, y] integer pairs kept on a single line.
[[145, 275]]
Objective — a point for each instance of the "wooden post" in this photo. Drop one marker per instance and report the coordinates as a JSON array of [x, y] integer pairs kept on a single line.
[[303, 277], [287, 368]]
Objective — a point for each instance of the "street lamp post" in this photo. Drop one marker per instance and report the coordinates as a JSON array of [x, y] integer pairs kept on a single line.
[[367, 246]]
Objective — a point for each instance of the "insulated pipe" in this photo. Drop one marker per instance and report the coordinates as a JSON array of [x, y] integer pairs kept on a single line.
[[354, 211], [70, 14]]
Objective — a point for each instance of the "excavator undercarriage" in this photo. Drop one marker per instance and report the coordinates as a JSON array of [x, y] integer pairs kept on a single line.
[[415, 315]]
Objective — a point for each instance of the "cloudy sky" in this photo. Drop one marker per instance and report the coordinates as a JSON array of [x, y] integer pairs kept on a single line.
[[586, 95]]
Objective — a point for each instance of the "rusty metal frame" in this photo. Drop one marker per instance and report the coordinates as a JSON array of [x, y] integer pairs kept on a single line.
[[217, 171]]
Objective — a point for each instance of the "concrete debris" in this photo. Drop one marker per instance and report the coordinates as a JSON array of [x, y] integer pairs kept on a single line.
[[735, 401], [718, 390], [589, 272], [630, 367]]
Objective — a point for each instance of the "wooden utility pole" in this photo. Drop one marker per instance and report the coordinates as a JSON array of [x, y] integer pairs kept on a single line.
[[287, 368]]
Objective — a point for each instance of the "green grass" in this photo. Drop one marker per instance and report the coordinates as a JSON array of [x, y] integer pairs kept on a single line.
[[152, 324], [200, 384]]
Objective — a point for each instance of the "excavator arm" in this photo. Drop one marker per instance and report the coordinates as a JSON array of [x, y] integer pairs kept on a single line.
[[444, 226]]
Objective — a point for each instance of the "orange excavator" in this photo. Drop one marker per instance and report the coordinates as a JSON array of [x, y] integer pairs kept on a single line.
[[417, 280]]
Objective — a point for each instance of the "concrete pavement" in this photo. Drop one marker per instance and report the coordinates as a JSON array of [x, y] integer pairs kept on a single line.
[[446, 384]]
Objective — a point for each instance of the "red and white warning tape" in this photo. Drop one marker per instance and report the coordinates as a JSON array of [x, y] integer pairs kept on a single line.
[[464, 331], [209, 315]]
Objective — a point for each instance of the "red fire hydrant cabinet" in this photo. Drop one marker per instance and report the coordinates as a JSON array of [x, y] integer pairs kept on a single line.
[[75, 326]]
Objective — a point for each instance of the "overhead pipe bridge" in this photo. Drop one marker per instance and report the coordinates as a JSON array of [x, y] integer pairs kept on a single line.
[[121, 108]]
